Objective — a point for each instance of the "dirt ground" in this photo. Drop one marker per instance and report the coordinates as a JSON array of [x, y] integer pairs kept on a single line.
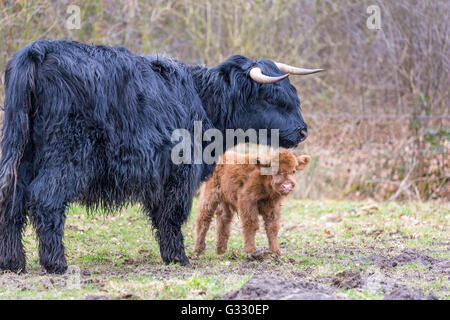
[[376, 279], [330, 250]]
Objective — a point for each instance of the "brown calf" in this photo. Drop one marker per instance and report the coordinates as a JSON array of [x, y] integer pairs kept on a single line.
[[240, 187]]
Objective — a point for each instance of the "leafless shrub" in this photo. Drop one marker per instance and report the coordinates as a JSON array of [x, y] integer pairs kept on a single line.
[[379, 117]]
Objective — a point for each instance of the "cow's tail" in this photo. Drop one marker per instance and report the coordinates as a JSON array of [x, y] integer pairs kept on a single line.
[[20, 77]]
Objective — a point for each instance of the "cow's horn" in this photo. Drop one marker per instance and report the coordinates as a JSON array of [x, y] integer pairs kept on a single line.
[[257, 75], [294, 70]]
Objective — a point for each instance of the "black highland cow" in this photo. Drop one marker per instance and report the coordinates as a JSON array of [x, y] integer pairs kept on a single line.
[[93, 124]]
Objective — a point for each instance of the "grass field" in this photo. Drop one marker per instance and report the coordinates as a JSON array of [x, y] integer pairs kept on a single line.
[[389, 245]]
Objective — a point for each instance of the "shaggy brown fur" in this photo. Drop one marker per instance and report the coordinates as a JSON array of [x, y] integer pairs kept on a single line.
[[241, 188]]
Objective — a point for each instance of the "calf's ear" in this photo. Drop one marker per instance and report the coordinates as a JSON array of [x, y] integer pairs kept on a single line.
[[303, 162], [262, 161]]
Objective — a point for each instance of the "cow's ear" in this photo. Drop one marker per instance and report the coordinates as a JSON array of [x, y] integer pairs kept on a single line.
[[303, 162]]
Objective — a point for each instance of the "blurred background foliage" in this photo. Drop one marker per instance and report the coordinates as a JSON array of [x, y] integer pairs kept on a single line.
[[379, 118]]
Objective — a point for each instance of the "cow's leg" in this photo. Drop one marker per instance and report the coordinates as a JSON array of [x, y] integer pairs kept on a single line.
[[49, 194], [12, 255], [12, 221], [167, 220], [172, 211], [223, 227]]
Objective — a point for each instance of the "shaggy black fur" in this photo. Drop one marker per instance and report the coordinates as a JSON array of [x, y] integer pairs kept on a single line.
[[93, 124]]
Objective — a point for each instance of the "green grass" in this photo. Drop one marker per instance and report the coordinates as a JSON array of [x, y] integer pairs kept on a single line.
[[118, 256]]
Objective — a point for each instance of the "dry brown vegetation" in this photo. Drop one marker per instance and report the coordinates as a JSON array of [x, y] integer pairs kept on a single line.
[[379, 117]]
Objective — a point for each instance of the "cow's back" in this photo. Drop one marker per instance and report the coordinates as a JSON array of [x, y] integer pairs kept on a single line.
[[110, 113]]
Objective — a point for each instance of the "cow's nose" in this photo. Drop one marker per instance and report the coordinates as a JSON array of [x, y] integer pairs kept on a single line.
[[303, 133]]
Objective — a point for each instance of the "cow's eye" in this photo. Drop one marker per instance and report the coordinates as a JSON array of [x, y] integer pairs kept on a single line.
[[293, 171]]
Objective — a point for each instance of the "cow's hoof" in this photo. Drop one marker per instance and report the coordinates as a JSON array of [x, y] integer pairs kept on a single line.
[[55, 268], [183, 261], [13, 265], [16, 268]]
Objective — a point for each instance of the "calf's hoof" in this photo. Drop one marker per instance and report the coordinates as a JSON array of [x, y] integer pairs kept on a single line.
[[199, 249], [221, 250], [276, 251], [250, 250]]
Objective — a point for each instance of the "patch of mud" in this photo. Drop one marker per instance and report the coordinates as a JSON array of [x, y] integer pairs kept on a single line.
[[280, 288], [261, 254], [442, 267], [393, 289], [401, 292], [347, 279], [13, 281], [405, 257], [43, 281], [164, 271], [94, 297]]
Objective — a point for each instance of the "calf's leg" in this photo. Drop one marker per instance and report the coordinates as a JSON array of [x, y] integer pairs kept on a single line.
[[272, 226], [207, 206], [224, 218], [248, 212]]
